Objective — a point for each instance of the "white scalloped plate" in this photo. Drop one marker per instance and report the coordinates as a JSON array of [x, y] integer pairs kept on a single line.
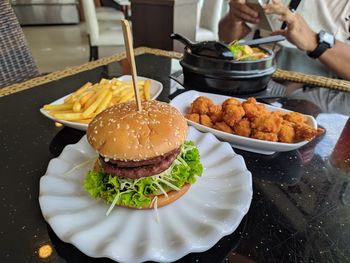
[[184, 100], [155, 89], [212, 208]]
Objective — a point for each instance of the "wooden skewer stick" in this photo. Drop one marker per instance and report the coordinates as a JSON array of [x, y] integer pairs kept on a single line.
[[131, 58]]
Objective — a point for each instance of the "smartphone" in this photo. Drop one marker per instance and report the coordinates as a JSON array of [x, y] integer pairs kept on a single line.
[[264, 22]]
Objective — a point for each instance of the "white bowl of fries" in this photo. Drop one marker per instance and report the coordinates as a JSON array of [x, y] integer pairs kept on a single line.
[[77, 109]]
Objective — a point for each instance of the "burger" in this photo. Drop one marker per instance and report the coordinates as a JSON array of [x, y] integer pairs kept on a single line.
[[144, 160]]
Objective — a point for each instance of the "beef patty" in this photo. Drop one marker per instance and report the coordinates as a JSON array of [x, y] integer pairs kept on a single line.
[[138, 169]]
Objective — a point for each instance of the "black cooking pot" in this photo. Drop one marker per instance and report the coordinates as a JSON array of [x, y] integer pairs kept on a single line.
[[226, 76]]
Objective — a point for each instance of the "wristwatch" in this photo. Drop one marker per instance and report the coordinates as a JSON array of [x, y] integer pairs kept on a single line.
[[325, 41]]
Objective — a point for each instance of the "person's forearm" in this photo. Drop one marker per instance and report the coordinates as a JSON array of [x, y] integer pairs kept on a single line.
[[230, 30], [337, 59]]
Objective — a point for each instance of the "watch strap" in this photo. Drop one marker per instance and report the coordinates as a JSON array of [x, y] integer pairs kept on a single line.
[[320, 49]]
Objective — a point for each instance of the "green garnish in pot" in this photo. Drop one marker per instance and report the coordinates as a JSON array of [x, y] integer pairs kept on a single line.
[[245, 52]]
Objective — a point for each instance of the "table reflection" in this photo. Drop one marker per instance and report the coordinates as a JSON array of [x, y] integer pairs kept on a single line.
[[293, 59], [340, 157]]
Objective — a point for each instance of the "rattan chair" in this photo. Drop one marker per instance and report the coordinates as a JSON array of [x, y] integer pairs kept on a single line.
[[16, 61]]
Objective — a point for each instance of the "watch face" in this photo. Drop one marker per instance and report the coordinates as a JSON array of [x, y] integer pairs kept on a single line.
[[326, 38]]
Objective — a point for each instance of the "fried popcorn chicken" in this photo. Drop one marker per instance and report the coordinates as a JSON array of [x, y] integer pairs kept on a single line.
[[294, 117], [192, 117], [215, 113], [305, 132], [268, 122], [252, 109], [320, 131], [243, 128], [267, 136], [201, 105], [251, 119], [287, 133], [230, 101], [250, 100], [206, 121], [233, 114], [222, 126]]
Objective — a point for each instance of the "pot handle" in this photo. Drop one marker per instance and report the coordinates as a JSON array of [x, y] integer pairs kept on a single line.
[[182, 39]]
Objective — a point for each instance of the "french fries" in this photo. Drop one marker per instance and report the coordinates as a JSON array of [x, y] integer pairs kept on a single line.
[[89, 100]]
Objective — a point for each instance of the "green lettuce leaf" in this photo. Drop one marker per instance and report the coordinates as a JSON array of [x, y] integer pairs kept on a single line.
[[94, 184], [136, 193]]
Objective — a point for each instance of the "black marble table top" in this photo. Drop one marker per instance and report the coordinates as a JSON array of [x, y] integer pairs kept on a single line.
[[300, 210]]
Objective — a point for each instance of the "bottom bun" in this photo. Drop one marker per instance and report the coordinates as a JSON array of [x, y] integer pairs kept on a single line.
[[172, 197], [162, 199]]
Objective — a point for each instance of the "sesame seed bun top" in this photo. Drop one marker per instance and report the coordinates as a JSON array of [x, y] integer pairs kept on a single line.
[[123, 133]]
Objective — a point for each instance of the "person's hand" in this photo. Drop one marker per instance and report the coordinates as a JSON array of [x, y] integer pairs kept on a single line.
[[298, 31], [240, 11]]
